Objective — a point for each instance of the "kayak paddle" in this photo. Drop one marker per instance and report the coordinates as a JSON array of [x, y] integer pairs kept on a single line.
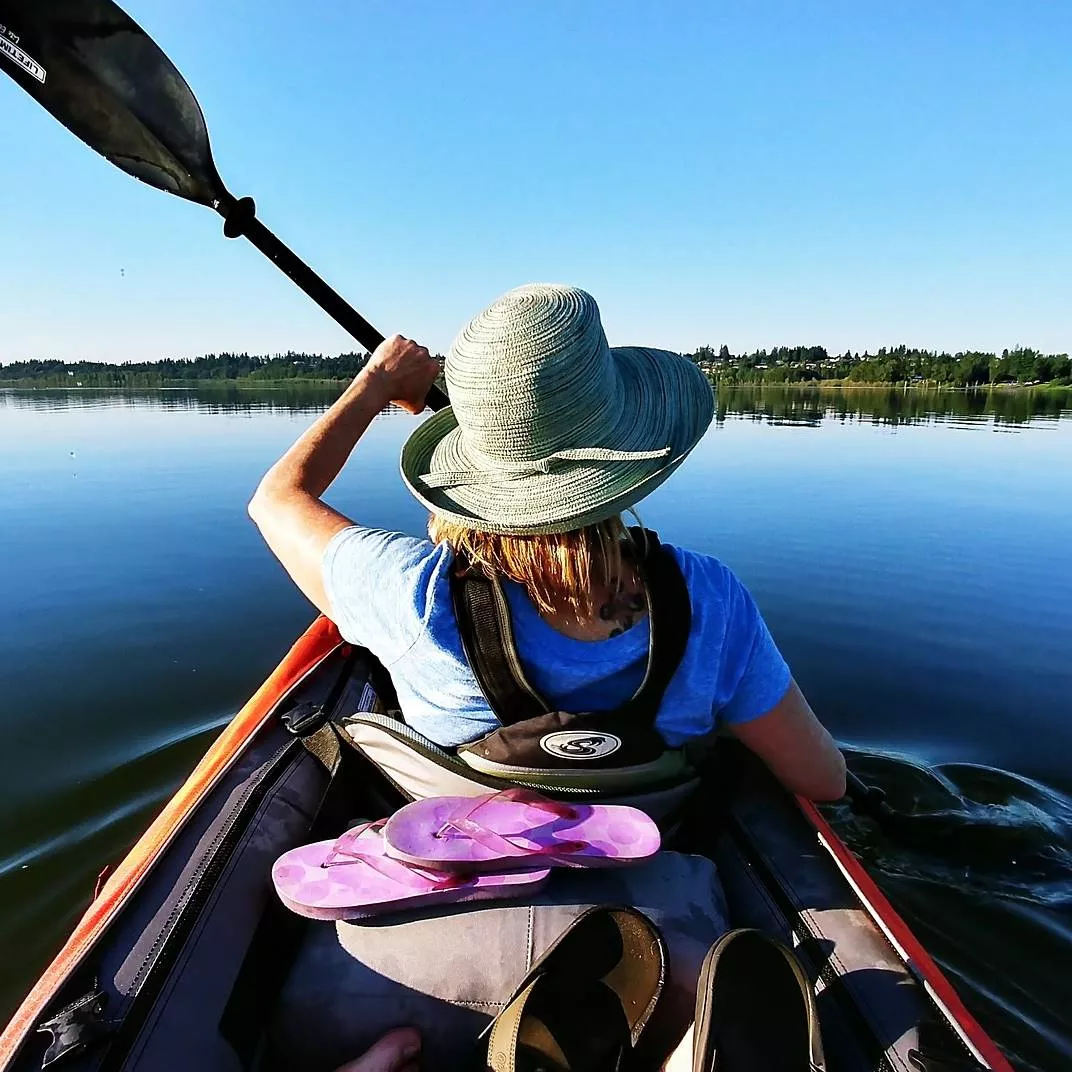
[[926, 829], [869, 800], [101, 75]]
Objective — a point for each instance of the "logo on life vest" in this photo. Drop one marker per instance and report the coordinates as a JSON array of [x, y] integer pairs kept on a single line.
[[580, 744]]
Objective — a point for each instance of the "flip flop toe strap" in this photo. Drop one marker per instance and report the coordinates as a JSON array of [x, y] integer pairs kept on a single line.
[[346, 850], [463, 822]]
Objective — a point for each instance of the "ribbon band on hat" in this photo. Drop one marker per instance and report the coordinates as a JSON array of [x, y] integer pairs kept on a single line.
[[505, 470]]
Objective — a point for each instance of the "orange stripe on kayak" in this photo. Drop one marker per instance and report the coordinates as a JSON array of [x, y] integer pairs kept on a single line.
[[314, 645], [918, 957]]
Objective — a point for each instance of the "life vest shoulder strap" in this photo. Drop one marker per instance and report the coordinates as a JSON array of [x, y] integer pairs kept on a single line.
[[487, 634], [484, 622]]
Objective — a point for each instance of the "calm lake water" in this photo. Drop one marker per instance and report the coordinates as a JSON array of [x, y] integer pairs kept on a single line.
[[911, 552]]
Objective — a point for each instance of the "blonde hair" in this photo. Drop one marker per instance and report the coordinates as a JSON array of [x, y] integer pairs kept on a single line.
[[559, 570]]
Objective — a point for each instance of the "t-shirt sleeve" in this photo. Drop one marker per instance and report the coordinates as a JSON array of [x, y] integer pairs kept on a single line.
[[379, 586], [754, 676]]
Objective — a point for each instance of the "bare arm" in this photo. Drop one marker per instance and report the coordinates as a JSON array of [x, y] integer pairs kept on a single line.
[[796, 747], [287, 508]]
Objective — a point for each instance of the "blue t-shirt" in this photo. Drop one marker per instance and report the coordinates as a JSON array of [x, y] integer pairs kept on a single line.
[[390, 593]]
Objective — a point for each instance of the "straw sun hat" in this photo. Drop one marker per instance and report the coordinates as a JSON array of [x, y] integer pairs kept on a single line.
[[549, 428]]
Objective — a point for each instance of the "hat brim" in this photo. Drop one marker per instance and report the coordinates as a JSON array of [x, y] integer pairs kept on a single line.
[[667, 402]]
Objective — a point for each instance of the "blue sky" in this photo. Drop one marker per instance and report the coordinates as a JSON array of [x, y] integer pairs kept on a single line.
[[843, 173]]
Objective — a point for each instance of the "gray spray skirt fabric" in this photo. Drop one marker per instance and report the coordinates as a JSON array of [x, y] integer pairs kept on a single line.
[[452, 970]]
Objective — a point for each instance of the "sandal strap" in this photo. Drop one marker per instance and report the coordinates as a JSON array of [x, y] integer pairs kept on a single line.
[[406, 875], [463, 822]]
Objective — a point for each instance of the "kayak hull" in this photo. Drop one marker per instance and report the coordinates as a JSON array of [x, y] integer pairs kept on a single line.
[[181, 959]]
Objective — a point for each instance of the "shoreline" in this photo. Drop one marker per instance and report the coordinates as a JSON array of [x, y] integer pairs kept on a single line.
[[849, 385], [279, 385]]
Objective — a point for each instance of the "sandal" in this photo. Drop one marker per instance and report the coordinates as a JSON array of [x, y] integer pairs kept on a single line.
[[518, 828], [352, 877], [755, 1009], [586, 1000]]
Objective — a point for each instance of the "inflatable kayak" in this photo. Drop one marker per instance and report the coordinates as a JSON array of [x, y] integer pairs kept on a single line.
[[185, 956]]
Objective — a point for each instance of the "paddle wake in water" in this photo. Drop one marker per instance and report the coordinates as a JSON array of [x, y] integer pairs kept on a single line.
[[979, 860]]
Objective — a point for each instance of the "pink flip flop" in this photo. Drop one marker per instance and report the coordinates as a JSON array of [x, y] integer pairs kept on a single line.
[[353, 878], [517, 828]]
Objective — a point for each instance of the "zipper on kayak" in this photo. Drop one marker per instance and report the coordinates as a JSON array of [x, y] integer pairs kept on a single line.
[[179, 924]]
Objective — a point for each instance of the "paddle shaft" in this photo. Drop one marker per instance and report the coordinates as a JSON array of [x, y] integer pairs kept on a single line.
[[240, 220]]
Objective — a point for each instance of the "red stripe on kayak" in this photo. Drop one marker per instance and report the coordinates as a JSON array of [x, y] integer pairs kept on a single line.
[[311, 648], [899, 932]]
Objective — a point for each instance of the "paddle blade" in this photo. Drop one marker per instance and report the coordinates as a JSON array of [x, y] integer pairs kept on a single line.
[[106, 80]]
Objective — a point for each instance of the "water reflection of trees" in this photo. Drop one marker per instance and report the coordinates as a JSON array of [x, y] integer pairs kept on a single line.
[[889, 406], [771, 403], [225, 398]]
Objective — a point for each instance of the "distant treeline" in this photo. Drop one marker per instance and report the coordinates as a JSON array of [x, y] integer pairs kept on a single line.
[[221, 367], [783, 364], [802, 364]]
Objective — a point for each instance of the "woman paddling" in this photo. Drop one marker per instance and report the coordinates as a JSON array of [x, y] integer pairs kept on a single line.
[[552, 434], [533, 629]]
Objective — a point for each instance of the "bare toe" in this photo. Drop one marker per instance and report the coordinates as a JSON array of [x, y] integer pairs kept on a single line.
[[392, 1053]]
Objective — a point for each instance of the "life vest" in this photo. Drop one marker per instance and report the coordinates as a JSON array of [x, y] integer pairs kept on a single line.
[[611, 755]]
